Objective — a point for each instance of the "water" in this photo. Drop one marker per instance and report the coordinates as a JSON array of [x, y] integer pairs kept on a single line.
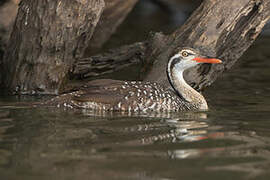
[[231, 140]]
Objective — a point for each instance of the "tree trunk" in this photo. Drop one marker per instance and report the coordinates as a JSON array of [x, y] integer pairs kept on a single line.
[[47, 37], [41, 57], [223, 29]]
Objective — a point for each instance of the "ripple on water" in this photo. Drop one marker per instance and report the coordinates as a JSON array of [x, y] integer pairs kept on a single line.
[[55, 142]]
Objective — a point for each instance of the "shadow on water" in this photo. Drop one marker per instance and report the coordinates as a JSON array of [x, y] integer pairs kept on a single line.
[[232, 140]]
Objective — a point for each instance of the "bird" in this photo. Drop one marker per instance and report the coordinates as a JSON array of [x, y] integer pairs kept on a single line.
[[135, 96]]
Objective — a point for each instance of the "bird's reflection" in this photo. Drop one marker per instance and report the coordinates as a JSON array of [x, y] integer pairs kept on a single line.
[[180, 130], [53, 135], [164, 114], [169, 127]]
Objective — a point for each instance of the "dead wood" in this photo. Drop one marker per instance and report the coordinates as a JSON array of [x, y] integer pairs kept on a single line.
[[109, 62], [47, 37], [41, 58], [223, 29]]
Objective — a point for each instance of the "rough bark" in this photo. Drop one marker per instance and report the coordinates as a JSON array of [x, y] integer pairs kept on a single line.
[[114, 14], [223, 29], [115, 59], [219, 28], [47, 37]]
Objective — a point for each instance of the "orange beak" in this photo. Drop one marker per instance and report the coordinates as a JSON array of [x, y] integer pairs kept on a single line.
[[207, 60]]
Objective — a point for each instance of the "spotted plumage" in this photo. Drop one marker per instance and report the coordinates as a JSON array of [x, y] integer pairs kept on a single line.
[[133, 96], [107, 94]]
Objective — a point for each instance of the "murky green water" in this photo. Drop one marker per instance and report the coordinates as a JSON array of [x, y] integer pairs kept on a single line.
[[232, 140]]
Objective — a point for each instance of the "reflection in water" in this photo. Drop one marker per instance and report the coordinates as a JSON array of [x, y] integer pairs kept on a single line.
[[55, 143]]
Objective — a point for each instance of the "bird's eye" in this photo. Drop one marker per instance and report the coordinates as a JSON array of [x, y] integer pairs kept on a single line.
[[185, 54]]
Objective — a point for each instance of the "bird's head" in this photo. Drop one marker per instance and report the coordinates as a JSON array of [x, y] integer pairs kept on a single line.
[[187, 57]]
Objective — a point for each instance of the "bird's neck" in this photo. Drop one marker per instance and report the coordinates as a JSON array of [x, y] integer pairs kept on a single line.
[[185, 91]]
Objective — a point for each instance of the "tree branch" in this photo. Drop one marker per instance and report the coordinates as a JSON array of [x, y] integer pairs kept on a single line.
[[223, 29], [109, 62]]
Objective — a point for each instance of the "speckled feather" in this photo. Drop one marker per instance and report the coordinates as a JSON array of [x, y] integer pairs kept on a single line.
[[115, 95]]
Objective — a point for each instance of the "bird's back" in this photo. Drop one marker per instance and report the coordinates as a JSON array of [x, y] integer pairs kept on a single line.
[[115, 95]]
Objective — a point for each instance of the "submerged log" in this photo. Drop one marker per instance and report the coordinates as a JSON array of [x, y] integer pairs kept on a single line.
[[47, 37], [223, 29]]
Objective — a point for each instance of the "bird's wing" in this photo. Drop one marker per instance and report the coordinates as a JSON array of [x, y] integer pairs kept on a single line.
[[105, 91]]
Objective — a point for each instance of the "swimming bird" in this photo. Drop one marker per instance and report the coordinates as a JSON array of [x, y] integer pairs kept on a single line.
[[133, 96]]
